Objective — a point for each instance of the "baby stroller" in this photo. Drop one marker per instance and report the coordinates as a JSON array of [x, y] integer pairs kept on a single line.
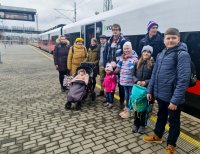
[[78, 91]]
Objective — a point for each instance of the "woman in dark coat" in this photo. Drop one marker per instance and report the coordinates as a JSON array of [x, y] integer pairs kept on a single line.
[[141, 76], [60, 55]]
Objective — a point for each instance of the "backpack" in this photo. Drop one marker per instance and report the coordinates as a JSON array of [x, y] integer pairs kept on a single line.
[[138, 99], [193, 77]]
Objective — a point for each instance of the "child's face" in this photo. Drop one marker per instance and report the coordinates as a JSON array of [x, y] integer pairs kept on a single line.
[[127, 49], [108, 72], [146, 54], [171, 41], [82, 73]]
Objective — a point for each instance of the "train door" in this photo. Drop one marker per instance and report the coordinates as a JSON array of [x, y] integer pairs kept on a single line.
[[98, 29], [89, 33]]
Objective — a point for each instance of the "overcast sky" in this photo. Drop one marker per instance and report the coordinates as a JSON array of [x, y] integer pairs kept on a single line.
[[48, 17]]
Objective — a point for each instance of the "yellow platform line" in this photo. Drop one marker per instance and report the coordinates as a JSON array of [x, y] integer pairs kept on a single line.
[[152, 118]]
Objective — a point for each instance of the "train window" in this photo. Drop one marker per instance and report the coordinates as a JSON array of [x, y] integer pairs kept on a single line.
[[72, 37], [45, 42], [98, 29], [192, 39], [53, 38], [83, 31]]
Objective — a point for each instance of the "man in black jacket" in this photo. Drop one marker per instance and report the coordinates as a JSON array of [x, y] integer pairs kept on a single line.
[[153, 38], [60, 60]]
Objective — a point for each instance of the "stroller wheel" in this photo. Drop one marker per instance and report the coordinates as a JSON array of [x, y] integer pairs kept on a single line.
[[68, 105], [78, 106], [93, 96]]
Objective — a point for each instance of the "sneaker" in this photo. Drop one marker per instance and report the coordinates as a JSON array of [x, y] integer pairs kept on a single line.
[[134, 129], [110, 106], [141, 129], [106, 104], [126, 115], [152, 138], [122, 113], [170, 149]]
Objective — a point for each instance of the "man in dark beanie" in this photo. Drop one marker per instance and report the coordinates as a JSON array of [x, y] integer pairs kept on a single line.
[[153, 38]]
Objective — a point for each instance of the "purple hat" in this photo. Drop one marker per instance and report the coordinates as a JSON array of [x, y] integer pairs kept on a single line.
[[151, 24]]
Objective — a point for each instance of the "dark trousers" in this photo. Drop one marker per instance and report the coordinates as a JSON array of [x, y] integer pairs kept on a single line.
[[94, 83], [140, 119], [110, 97], [174, 122], [121, 94], [61, 77]]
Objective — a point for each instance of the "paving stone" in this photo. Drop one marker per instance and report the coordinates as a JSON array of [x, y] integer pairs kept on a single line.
[[101, 151], [76, 150], [147, 151], [86, 146], [86, 151], [121, 150], [112, 147], [60, 150]]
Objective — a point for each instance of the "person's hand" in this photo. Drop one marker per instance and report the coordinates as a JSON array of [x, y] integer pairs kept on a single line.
[[149, 97], [139, 82], [56, 67], [172, 106], [142, 83]]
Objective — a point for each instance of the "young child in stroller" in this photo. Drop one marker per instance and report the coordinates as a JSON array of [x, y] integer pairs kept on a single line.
[[78, 90], [82, 75]]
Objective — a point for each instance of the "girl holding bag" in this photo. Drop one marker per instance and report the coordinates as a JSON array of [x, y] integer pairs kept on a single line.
[[141, 76]]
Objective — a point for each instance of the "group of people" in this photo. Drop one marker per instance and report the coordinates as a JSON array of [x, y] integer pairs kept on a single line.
[[162, 65]]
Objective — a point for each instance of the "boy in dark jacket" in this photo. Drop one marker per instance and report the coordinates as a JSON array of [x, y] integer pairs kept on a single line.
[[169, 81]]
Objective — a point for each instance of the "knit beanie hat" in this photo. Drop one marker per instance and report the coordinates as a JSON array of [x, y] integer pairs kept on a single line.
[[151, 24], [128, 44], [109, 67], [79, 39], [147, 48]]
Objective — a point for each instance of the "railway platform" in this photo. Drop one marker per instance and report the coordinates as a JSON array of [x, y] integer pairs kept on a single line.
[[33, 119]]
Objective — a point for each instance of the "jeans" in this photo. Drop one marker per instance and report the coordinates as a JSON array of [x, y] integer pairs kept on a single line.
[[127, 90], [174, 121], [61, 77], [110, 97], [93, 83]]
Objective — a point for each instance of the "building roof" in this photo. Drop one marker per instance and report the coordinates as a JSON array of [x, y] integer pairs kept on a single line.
[[17, 9]]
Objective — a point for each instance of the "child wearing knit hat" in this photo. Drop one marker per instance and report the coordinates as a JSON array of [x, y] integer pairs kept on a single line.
[[109, 84], [125, 67], [141, 75]]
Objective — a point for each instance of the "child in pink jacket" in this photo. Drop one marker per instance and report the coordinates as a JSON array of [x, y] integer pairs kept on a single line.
[[109, 85]]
